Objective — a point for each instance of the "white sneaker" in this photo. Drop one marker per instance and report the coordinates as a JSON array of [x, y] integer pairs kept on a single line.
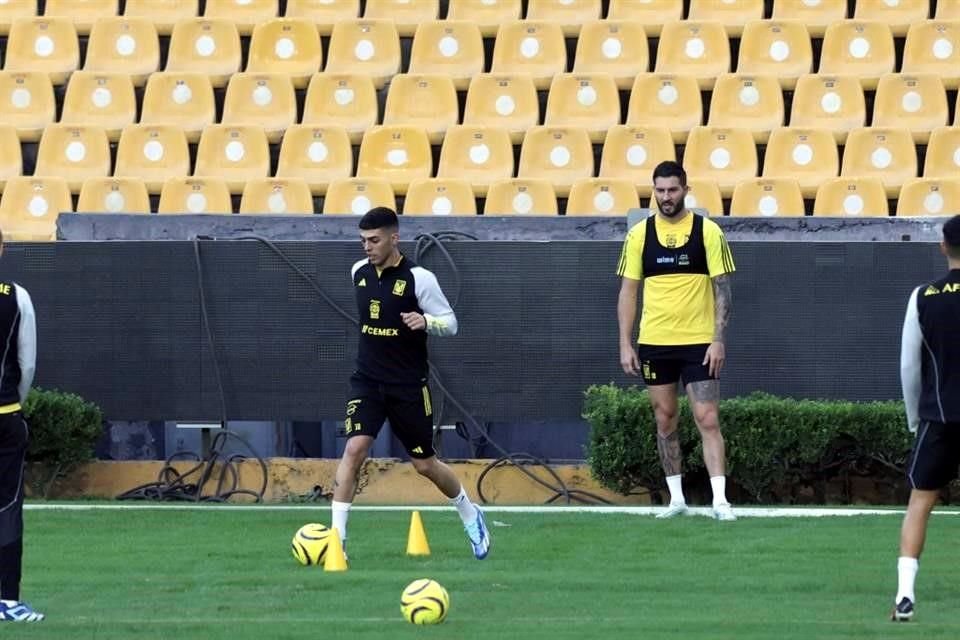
[[673, 510], [723, 512]]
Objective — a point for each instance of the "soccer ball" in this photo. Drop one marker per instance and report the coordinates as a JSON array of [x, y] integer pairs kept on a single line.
[[309, 544], [424, 601]]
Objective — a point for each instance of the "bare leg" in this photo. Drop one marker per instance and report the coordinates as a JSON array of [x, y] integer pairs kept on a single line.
[[704, 401], [913, 534], [345, 484], [664, 400], [439, 474]]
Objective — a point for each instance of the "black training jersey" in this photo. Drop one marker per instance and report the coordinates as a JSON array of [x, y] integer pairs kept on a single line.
[[18, 341]]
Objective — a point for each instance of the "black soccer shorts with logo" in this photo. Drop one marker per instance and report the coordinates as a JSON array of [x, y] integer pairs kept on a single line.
[[935, 457], [669, 364], [408, 408]]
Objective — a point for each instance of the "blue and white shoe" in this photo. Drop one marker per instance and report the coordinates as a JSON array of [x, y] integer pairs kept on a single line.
[[479, 536], [18, 612]]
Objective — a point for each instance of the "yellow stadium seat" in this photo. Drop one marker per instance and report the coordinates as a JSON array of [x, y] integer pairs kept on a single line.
[[324, 13], [700, 49], [113, 195], [899, 15], [43, 44], [808, 156], [83, 13], [26, 102], [74, 153], [366, 47], [732, 14], [162, 13], [569, 14], [558, 154], [666, 100], [703, 195], [17, 9], [651, 14], [11, 161], [929, 197], [124, 45], [267, 100], [778, 48], [845, 196], [477, 154], [948, 10], [834, 103], [290, 46], [440, 197], [586, 101], [742, 101], [235, 153], [401, 154], [933, 46], [505, 101], [405, 14], [725, 155], [914, 102], [183, 100], [816, 15], [341, 100], [486, 14], [318, 155], [888, 154], [277, 196], [204, 45], [428, 102], [454, 49], [30, 207], [153, 153], [103, 99], [246, 14], [195, 195], [521, 196], [943, 153], [602, 197], [858, 48], [618, 48], [767, 197], [631, 152], [537, 48], [358, 195]]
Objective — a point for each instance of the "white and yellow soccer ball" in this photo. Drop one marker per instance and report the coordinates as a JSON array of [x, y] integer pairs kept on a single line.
[[309, 544], [424, 601]]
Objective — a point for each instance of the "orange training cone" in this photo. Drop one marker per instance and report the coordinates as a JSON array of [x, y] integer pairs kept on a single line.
[[417, 544], [335, 560]]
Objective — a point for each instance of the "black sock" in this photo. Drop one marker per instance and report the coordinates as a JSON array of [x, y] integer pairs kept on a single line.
[[11, 561]]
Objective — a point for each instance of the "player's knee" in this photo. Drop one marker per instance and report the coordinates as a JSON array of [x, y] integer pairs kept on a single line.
[[708, 420], [666, 418], [424, 467], [355, 452]]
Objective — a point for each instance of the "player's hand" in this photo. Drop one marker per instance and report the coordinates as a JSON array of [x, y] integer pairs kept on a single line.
[[628, 360], [414, 320], [716, 355]]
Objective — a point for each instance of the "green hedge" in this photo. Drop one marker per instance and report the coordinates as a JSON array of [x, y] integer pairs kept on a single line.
[[778, 449]]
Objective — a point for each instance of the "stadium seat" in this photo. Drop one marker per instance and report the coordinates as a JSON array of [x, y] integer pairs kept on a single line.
[[43, 44], [27, 102], [536, 48], [724, 155], [404, 13], [277, 196], [358, 195], [569, 14], [602, 197], [703, 194], [11, 162], [184, 100], [235, 153], [195, 195], [290, 46], [366, 47], [477, 154], [341, 100], [558, 154], [767, 197], [152, 153], [943, 153], [400, 154], [487, 14], [103, 99], [836, 104], [428, 102], [929, 197], [83, 13], [732, 14], [857, 48], [316, 154], [651, 15], [700, 49], [743, 101], [204, 45], [914, 102], [454, 49], [29, 208], [521, 196], [617, 48], [440, 197], [948, 10], [666, 100], [778, 48], [123, 45], [888, 154], [897, 14], [816, 15], [324, 13], [809, 156], [246, 14], [267, 100], [631, 152], [162, 13], [74, 153], [840, 197], [505, 101], [17, 9], [113, 195], [586, 101], [933, 46]]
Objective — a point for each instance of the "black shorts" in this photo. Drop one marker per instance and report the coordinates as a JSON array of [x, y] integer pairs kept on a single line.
[[407, 407], [13, 454], [661, 364], [935, 457]]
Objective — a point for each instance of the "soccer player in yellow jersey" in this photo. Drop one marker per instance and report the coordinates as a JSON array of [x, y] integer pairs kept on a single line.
[[684, 263]]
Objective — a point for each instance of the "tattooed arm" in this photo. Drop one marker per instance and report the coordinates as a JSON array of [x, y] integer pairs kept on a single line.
[[723, 304]]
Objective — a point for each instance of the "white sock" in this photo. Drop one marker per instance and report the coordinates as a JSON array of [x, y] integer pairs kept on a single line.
[[466, 509], [906, 574], [675, 485], [719, 484], [339, 512], [10, 603]]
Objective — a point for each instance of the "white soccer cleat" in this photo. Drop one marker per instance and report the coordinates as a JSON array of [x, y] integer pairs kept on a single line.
[[723, 512], [673, 510], [12, 611]]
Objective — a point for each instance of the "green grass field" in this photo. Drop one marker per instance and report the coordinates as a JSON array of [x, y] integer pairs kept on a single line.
[[229, 574]]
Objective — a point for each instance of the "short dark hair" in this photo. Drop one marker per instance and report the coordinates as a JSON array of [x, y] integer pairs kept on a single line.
[[379, 218], [951, 236], [670, 169]]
